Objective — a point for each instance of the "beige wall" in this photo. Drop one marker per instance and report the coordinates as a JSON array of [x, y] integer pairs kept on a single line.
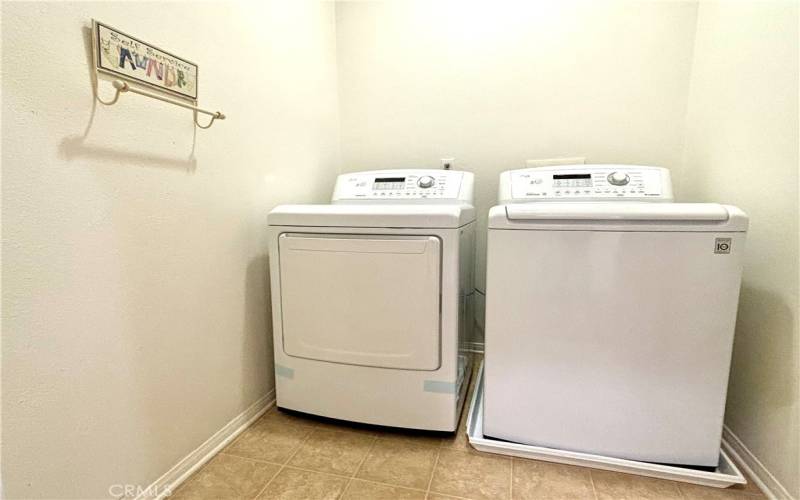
[[495, 83], [742, 148], [135, 294]]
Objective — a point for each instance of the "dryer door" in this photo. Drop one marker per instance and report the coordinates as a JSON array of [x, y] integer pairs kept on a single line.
[[370, 300]]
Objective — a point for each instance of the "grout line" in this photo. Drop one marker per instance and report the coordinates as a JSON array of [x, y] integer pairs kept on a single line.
[[279, 464], [371, 447], [445, 495], [346, 487], [364, 459], [387, 484], [341, 476], [511, 481], [591, 480], [268, 483], [286, 462], [297, 450], [433, 471]]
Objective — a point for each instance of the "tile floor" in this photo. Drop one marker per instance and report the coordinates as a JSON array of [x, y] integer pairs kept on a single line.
[[289, 456]]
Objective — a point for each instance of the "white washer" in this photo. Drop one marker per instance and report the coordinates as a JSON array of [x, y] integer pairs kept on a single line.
[[610, 320], [371, 299]]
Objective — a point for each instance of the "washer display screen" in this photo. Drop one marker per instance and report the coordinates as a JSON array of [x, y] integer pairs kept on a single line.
[[388, 183], [572, 176]]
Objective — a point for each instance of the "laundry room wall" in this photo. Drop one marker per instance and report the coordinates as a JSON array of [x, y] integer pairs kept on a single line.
[[134, 273], [495, 83], [742, 149]]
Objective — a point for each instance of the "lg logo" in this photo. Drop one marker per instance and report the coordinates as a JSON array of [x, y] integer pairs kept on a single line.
[[722, 245]]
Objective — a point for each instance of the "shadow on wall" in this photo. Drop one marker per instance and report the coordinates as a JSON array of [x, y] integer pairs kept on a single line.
[[763, 347], [257, 326], [75, 146]]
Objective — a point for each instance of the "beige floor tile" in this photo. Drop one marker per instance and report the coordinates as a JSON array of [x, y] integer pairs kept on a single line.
[[535, 479], [273, 438], [333, 451], [366, 490], [458, 441], [292, 484], [618, 486], [418, 438], [697, 492], [400, 464], [472, 475], [227, 476]]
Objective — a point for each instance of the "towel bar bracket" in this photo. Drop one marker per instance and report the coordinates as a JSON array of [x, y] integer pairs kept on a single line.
[[122, 87]]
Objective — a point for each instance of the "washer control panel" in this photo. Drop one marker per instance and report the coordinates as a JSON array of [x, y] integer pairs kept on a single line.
[[586, 183], [404, 185]]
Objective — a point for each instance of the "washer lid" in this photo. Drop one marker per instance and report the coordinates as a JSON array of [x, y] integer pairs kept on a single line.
[[630, 216], [378, 216]]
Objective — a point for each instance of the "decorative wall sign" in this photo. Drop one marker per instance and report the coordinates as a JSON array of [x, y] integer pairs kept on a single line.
[[124, 56]]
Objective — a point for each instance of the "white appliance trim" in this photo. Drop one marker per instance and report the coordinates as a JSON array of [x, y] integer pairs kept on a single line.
[[764, 479], [198, 457]]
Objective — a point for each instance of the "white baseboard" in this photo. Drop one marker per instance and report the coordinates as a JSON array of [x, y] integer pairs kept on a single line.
[[170, 481], [763, 478]]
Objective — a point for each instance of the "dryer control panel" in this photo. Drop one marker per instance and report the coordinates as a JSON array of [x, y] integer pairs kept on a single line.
[[586, 183], [404, 186]]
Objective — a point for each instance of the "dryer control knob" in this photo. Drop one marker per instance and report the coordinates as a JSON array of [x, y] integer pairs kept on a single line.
[[425, 181], [618, 178]]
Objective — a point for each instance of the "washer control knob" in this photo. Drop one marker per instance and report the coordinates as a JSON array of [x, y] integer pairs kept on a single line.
[[618, 178], [425, 181]]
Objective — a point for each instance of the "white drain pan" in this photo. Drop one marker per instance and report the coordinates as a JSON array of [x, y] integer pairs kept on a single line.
[[726, 475]]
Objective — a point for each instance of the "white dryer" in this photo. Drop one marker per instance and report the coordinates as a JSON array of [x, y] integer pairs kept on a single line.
[[610, 318], [371, 299]]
